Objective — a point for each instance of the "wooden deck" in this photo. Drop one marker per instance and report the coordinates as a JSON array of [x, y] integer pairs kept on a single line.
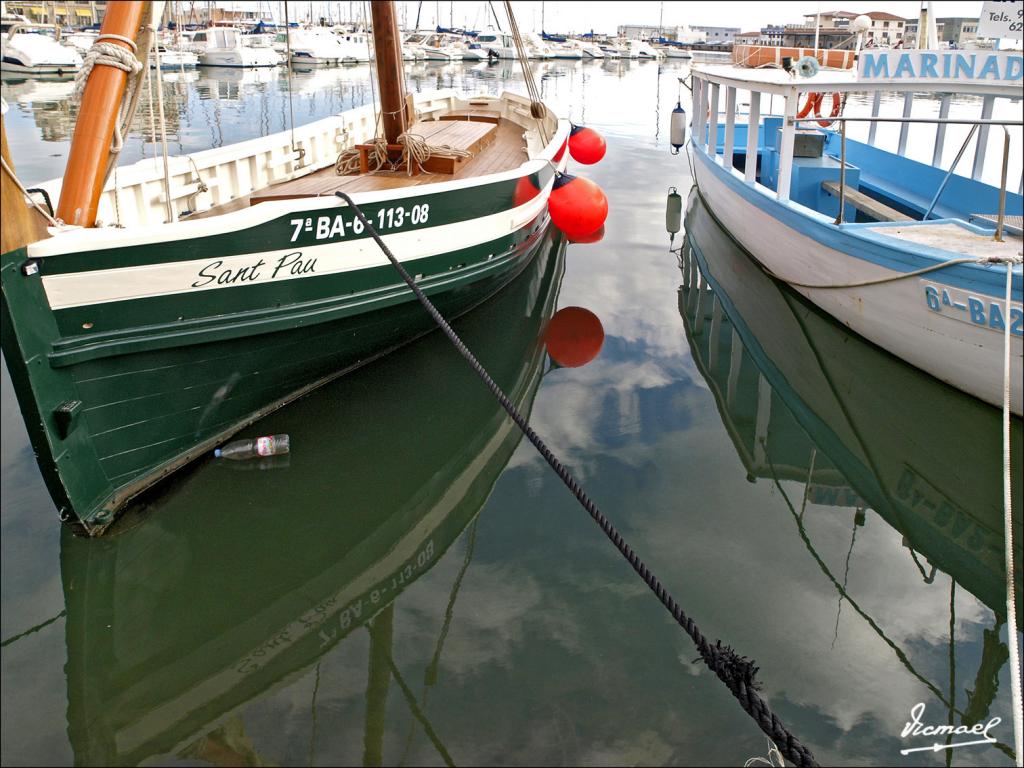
[[953, 238], [507, 151]]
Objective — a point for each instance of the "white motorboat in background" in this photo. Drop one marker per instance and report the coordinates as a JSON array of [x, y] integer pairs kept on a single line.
[[171, 58], [27, 49], [589, 49], [412, 46], [81, 41], [315, 46], [497, 44], [613, 50], [356, 46], [223, 47], [564, 50], [641, 49], [536, 47], [441, 47]]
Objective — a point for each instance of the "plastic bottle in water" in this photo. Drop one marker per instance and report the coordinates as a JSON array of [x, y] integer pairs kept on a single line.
[[270, 445]]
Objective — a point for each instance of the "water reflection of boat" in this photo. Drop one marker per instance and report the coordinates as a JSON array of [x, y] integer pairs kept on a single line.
[[48, 101], [217, 79], [36, 89], [805, 399], [170, 625]]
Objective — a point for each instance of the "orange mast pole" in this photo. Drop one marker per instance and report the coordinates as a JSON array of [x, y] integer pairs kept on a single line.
[[97, 116]]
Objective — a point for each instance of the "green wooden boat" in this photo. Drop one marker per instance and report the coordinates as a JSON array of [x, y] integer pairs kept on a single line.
[[805, 400], [235, 282], [246, 576]]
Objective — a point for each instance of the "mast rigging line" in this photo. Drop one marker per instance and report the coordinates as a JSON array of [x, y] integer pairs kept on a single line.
[[737, 672], [536, 105]]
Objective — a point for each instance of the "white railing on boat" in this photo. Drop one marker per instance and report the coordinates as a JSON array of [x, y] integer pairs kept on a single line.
[[136, 194], [706, 89], [907, 121]]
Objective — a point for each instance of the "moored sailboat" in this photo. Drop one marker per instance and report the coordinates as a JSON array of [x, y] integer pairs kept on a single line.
[[234, 281]]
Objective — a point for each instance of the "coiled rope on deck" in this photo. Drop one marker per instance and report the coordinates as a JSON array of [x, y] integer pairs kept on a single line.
[[737, 672], [415, 149]]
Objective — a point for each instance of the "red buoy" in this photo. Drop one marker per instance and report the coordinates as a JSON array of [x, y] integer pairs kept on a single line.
[[586, 145], [594, 237], [574, 337], [578, 207]]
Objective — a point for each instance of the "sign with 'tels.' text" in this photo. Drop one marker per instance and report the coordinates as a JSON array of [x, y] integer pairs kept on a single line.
[[1002, 18], [953, 67]]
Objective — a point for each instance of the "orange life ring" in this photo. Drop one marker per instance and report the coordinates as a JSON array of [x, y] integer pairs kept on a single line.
[[814, 101], [836, 105]]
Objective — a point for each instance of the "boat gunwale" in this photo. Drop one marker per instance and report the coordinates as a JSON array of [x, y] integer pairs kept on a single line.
[[855, 241], [68, 239]]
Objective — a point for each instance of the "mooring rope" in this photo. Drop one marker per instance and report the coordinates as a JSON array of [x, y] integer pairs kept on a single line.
[[112, 56], [737, 672], [1010, 261]]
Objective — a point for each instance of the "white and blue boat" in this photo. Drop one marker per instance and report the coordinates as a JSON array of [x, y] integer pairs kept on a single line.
[[912, 256]]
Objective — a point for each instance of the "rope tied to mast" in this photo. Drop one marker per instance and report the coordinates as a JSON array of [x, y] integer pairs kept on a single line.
[[112, 56]]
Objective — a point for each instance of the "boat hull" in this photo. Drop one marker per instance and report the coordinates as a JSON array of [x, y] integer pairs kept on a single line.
[[129, 363], [894, 315], [12, 67], [334, 549], [237, 58]]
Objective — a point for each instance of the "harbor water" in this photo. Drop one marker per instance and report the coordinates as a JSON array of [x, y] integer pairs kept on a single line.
[[412, 585]]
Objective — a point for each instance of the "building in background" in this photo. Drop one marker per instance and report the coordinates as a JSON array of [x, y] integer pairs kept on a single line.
[[772, 34], [886, 28], [73, 13], [718, 35], [834, 19], [803, 36], [957, 29], [910, 31], [645, 31], [749, 38], [683, 34]]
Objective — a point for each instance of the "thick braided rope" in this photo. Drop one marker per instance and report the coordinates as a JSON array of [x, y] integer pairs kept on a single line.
[[112, 56], [732, 669], [104, 53]]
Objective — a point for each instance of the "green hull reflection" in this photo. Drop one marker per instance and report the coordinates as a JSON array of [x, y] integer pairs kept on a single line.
[[246, 578], [804, 399]]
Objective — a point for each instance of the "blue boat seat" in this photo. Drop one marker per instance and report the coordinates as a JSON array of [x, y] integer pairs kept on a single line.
[[909, 185]]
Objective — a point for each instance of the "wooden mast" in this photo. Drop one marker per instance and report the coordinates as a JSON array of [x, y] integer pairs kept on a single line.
[[97, 116], [388, 53]]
